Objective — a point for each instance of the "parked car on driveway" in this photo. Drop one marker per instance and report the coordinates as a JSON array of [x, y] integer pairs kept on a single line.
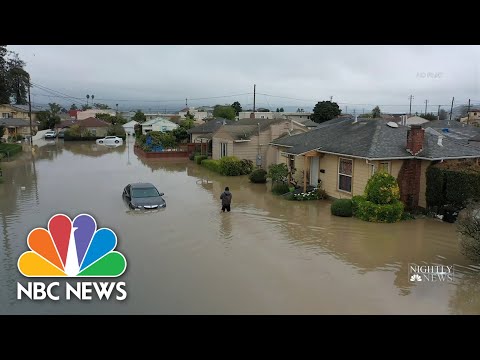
[[50, 134], [143, 196], [110, 140]]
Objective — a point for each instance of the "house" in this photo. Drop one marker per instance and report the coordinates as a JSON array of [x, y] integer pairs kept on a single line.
[[96, 126], [342, 155], [297, 116], [258, 115], [475, 141], [82, 115], [198, 115], [473, 117], [18, 112], [204, 131], [73, 114], [250, 138], [129, 127], [412, 120], [14, 126], [158, 124]]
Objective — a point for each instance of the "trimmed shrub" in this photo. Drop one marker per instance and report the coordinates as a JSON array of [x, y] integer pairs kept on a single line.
[[213, 165], [382, 188], [247, 166], [342, 207], [280, 189], [258, 176], [452, 184], [200, 158], [369, 211]]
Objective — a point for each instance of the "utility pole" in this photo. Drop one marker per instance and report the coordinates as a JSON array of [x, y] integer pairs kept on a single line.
[[451, 109], [117, 109], [331, 97], [186, 102], [363, 111], [411, 98], [346, 109], [438, 113], [254, 87], [354, 112], [468, 112], [30, 113], [426, 102]]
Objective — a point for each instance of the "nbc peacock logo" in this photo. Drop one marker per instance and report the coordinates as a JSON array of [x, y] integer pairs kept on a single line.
[[72, 249]]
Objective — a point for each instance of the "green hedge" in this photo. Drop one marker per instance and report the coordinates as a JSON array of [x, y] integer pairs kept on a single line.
[[200, 158], [455, 188], [10, 149], [369, 211], [382, 188], [280, 189], [342, 207], [258, 176], [213, 165]]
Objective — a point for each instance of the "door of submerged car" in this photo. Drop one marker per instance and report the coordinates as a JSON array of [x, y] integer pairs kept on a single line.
[[127, 192]]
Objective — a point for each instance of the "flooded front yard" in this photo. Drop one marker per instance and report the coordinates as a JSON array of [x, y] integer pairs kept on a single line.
[[268, 256]]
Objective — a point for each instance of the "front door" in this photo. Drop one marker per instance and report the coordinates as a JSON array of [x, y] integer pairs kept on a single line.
[[314, 168]]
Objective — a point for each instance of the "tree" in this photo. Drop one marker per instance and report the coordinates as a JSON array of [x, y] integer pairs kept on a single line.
[[86, 107], [189, 116], [139, 117], [18, 79], [324, 111], [54, 108], [278, 173], [93, 97], [49, 118], [88, 97], [180, 134], [2, 130], [73, 107], [100, 106], [187, 124], [263, 110], [226, 112], [443, 114], [281, 110], [4, 88], [376, 113], [236, 105], [278, 110], [429, 116]]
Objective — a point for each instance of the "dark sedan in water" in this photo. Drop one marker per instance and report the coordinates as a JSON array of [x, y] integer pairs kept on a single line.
[[143, 196]]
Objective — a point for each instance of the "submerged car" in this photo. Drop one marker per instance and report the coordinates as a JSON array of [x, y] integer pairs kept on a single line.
[[143, 196], [110, 140]]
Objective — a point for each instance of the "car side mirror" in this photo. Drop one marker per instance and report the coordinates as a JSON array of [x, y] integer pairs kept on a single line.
[[161, 194]]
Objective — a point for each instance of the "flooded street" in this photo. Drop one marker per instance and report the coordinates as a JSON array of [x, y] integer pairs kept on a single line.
[[268, 256]]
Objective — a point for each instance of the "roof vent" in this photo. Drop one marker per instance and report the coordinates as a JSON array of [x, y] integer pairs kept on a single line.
[[439, 143], [392, 124]]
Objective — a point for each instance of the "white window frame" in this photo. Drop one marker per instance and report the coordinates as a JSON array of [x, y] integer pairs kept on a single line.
[[389, 165], [223, 149], [340, 174]]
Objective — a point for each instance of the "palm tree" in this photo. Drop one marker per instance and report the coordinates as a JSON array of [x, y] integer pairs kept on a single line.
[[93, 96], [88, 97]]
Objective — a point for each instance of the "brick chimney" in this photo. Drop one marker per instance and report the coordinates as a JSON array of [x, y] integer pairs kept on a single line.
[[415, 136]]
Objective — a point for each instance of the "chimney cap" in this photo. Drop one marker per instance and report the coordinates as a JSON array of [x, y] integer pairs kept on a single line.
[[415, 126]]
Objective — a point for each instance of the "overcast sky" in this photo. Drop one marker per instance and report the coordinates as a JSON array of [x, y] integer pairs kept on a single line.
[[355, 76]]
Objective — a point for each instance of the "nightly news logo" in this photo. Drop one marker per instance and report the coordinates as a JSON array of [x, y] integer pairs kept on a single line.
[[72, 249]]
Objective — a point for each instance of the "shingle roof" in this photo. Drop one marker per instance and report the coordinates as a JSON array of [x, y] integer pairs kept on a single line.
[[453, 130], [244, 128], [15, 122], [24, 108], [65, 123], [209, 127], [92, 122], [370, 139]]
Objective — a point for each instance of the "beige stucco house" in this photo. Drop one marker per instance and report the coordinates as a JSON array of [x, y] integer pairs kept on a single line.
[[250, 139], [342, 154], [8, 111]]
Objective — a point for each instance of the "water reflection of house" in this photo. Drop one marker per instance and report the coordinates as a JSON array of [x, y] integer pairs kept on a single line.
[[96, 126], [343, 154]]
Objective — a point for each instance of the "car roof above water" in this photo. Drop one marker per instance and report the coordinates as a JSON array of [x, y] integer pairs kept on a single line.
[[141, 185]]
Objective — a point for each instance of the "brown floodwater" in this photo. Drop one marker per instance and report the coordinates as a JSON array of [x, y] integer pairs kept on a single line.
[[268, 256]]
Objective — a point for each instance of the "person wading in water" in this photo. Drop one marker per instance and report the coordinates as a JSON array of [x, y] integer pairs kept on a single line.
[[226, 198]]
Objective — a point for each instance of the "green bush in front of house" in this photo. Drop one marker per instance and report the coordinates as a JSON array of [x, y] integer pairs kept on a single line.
[[342, 207], [369, 211], [200, 158], [213, 165], [280, 188], [10, 149], [452, 184], [192, 155], [381, 202], [258, 176], [382, 188]]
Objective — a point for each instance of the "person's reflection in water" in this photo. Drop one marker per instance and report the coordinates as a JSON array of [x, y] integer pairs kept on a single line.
[[226, 229]]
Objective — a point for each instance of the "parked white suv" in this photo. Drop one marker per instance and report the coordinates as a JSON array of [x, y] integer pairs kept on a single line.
[[50, 134]]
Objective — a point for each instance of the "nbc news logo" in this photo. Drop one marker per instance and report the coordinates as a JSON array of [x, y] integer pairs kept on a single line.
[[430, 273]]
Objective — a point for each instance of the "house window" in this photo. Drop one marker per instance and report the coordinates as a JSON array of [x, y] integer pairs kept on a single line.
[[345, 173], [5, 115], [223, 149], [94, 132], [164, 128], [384, 166]]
